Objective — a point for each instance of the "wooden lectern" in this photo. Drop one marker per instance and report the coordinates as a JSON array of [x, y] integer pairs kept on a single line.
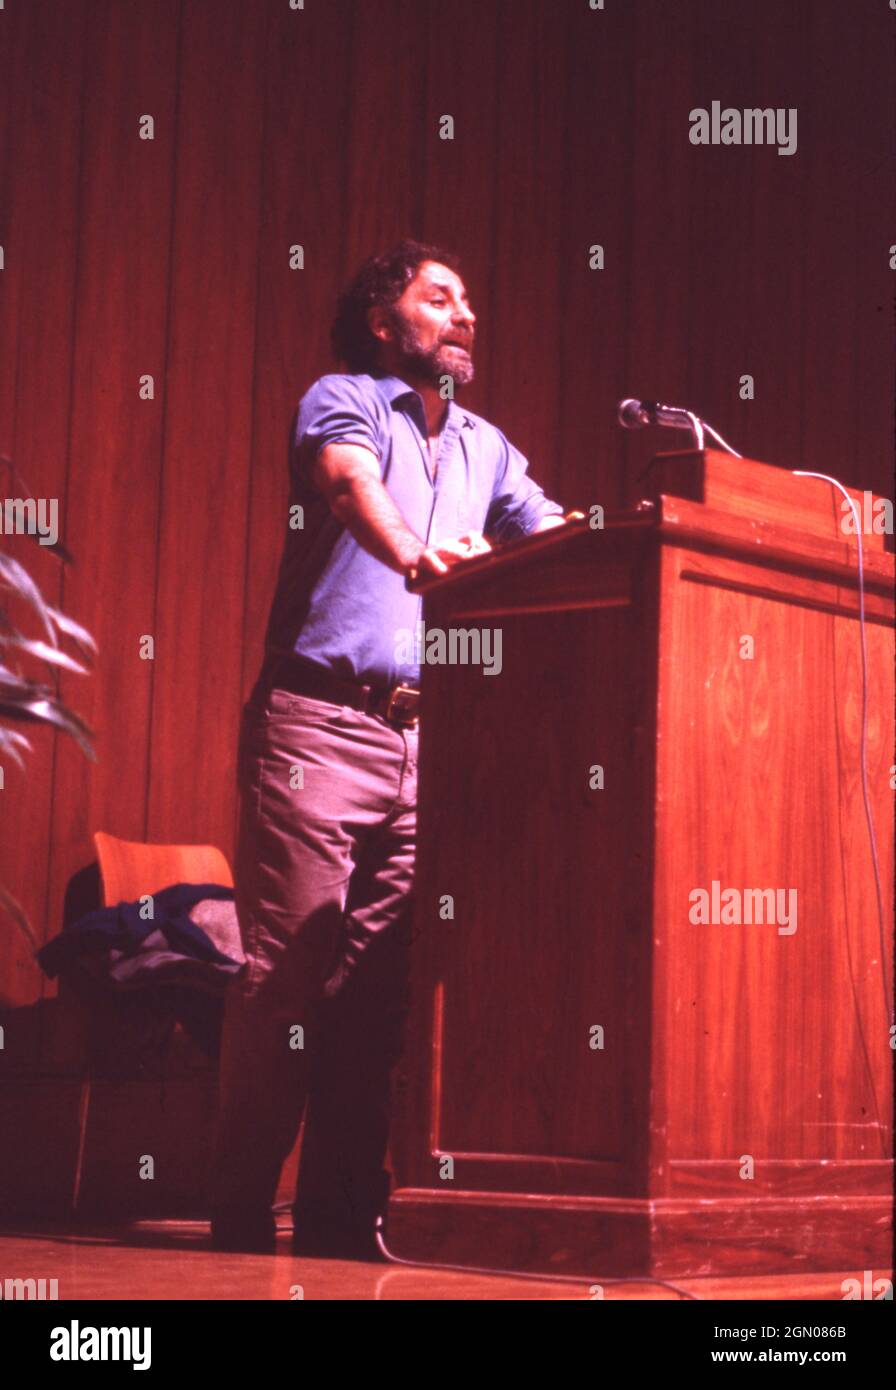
[[602, 1076]]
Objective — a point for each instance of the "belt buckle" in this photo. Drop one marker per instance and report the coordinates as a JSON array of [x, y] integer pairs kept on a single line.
[[394, 697]]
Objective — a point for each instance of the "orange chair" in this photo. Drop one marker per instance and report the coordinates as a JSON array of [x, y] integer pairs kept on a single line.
[[130, 870]]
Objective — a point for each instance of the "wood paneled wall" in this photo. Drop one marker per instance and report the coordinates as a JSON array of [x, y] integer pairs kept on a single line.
[[320, 126]]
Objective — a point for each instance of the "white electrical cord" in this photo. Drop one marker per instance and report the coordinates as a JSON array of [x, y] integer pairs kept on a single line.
[[719, 440], [697, 427], [539, 1278], [863, 742]]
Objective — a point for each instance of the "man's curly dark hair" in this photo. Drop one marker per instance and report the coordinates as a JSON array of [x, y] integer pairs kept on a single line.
[[381, 280]]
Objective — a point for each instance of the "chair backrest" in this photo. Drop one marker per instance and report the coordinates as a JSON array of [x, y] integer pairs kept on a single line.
[[130, 869]]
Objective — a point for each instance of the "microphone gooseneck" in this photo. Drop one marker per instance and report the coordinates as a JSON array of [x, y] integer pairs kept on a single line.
[[635, 415]]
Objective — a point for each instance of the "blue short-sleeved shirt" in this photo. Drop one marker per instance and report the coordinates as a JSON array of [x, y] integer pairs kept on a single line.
[[336, 604]]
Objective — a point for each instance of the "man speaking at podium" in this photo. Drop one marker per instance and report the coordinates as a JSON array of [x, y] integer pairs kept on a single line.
[[391, 481]]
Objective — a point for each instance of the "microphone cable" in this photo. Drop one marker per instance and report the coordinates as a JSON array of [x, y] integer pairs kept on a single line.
[[539, 1278], [869, 818]]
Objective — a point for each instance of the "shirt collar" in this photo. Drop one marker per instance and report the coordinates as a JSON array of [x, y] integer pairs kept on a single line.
[[392, 389]]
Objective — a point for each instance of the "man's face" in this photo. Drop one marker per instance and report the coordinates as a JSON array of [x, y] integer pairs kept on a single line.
[[432, 327]]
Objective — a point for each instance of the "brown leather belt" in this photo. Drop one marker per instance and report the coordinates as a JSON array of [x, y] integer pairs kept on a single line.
[[398, 704]]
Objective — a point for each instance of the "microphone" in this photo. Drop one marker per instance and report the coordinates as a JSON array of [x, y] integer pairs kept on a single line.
[[634, 415]]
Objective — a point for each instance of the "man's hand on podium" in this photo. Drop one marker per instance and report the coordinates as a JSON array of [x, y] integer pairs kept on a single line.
[[547, 522], [440, 558]]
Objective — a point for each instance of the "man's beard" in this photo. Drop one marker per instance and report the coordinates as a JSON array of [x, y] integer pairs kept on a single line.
[[431, 364]]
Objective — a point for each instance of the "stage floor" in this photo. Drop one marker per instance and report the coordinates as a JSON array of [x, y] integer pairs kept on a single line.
[[171, 1260]]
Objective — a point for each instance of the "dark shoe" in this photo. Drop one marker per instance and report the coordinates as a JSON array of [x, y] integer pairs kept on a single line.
[[340, 1225], [325, 1232], [254, 1234], [337, 1247]]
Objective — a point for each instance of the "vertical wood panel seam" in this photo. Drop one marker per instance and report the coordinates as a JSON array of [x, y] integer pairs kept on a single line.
[[564, 271], [802, 175], [348, 67], [491, 296], [696, 215], [262, 189], [250, 489], [628, 223], [73, 340], [427, 86], [163, 422], [419, 185], [20, 46], [747, 231]]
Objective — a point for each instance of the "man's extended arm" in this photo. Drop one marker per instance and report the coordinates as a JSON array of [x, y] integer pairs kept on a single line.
[[348, 475]]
